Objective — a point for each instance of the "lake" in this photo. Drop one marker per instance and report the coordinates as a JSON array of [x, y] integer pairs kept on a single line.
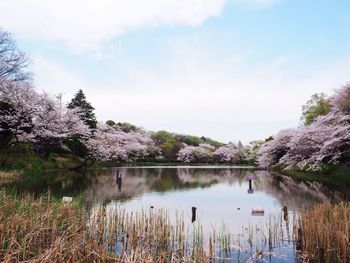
[[241, 201]]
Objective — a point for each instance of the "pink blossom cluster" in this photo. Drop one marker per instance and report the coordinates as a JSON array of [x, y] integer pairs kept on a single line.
[[229, 153], [31, 117], [34, 117], [202, 153], [112, 143], [205, 153], [325, 141]]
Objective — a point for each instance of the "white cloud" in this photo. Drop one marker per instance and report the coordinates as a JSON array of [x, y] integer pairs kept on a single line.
[[257, 3], [86, 24]]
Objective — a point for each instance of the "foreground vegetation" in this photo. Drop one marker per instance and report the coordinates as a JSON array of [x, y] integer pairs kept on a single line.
[[47, 230], [324, 233], [7, 176]]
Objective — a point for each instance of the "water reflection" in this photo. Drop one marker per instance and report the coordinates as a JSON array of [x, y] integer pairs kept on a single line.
[[162, 181], [125, 184], [209, 196]]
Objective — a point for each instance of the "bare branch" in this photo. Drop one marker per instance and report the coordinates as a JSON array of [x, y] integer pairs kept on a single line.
[[13, 62]]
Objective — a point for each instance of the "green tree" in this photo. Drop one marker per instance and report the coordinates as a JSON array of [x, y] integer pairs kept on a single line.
[[87, 115], [163, 136], [86, 110], [317, 105], [110, 123]]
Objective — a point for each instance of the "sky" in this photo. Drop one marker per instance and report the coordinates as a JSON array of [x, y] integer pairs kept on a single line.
[[226, 69]]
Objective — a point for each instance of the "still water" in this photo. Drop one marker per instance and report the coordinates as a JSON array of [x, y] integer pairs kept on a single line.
[[242, 201]]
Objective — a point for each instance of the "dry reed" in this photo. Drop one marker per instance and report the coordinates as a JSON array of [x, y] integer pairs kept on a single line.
[[9, 176], [47, 230], [323, 233]]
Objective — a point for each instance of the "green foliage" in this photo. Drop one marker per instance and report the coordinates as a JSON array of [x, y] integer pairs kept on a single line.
[[251, 151], [317, 105], [110, 123], [5, 134], [190, 140], [163, 136], [270, 138], [88, 116], [76, 147], [86, 110], [31, 163]]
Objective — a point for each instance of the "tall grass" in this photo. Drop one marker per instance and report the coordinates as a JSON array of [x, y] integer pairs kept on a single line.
[[323, 233], [45, 229], [7, 176]]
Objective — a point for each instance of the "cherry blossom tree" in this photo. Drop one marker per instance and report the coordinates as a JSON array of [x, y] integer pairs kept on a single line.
[[54, 124], [112, 143], [27, 116], [20, 104], [272, 151], [201, 154], [341, 100], [229, 153], [325, 141], [103, 144]]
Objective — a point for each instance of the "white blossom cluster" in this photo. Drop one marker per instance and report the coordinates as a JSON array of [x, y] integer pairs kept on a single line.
[[205, 153], [325, 141]]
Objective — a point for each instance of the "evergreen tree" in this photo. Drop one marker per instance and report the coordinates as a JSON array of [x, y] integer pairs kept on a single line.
[[86, 109]]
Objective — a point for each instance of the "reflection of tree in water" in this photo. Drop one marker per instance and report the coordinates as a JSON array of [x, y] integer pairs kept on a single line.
[[104, 186], [292, 193], [101, 185], [137, 181], [285, 189], [217, 175], [59, 183]]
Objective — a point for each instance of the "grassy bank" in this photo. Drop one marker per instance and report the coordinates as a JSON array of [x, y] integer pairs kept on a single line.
[[323, 234], [30, 162]]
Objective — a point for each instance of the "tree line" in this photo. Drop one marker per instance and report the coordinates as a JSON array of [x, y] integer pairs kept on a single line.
[[36, 122]]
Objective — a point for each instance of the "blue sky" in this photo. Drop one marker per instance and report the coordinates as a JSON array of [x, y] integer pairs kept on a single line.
[[231, 70]]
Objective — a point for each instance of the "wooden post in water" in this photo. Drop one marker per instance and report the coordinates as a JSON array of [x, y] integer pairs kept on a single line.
[[118, 180], [299, 245], [285, 213], [250, 189], [194, 216]]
